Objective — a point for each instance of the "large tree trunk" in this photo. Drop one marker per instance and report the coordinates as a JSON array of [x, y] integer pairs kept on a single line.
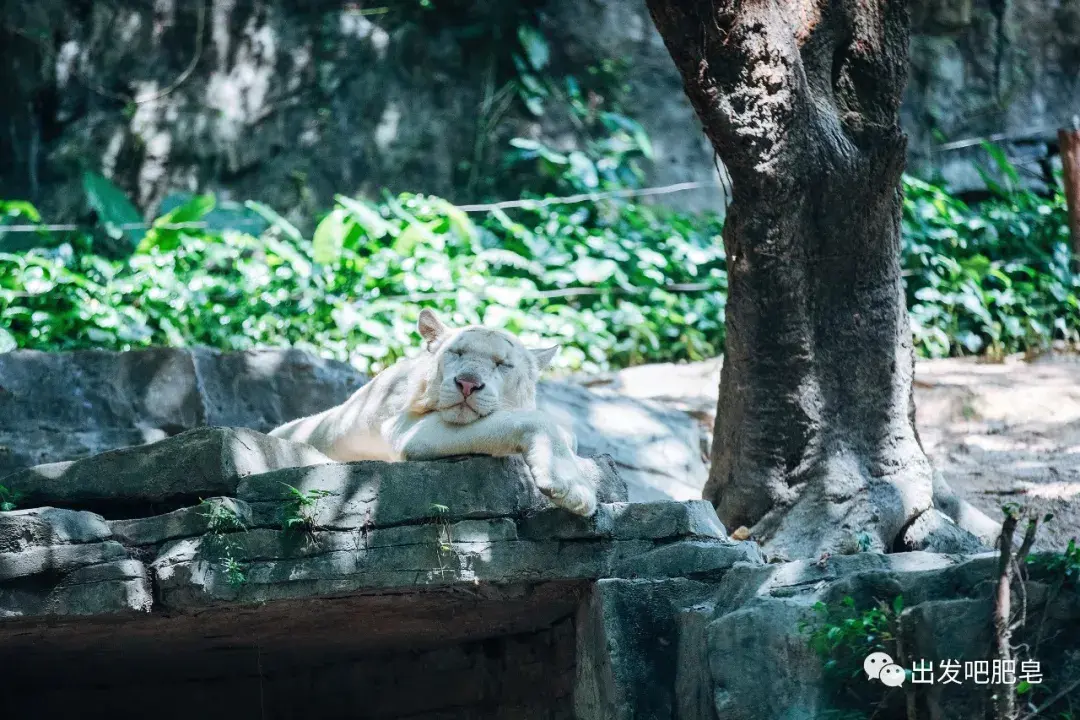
[[815, 439]]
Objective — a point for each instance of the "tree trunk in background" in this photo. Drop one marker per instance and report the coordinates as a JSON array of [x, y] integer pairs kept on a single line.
[[815, 439], [1069, 143]]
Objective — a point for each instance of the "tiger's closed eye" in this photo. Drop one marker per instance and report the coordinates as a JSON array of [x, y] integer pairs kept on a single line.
[[502, 363]]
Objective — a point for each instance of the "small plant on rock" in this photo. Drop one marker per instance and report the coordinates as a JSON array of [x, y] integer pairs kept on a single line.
[[843, 637], [1064, 567], [301, 510], [9, 498], [444, 543], [223, 524]]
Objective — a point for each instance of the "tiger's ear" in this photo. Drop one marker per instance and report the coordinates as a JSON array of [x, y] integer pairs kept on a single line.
[[545, 356], [431, 328]]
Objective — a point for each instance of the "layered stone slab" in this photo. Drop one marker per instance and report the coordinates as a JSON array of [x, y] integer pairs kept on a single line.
[[264, 519]]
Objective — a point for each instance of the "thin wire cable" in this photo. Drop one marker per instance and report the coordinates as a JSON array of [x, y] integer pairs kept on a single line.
[[675, 289], [526, 204]]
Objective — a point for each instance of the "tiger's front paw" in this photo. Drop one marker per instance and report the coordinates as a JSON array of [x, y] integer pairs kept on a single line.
[[558, 475]]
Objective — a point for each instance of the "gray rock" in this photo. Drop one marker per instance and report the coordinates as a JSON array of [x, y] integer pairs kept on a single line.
[[20, 529], [280, 564], [658, 451], [199, 463], [52, 542], [261, 389], [113, 587], [941, 16], [433, 534], [760, 666], [379, 494], [29, 446], [182, 523], [630, 521], [628, 645], [50, 560], [116, 586], [687, 558], [693, 686], [89, 390], [955, 629], [68, 405], [934, 531], [977, 70]]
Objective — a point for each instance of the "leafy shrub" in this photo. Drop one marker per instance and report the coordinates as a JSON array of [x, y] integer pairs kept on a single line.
[[615, 283], [301, 509], [1064, 566], [990, 279], [606, 281], [9, 498], [222, 544], [843, 636]]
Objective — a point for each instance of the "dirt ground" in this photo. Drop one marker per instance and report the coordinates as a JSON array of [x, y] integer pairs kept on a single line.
[[999, 432]]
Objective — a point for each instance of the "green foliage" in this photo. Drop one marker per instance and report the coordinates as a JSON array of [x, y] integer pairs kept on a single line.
[[601, 279], [9, 498], [528, 75], [990, 279], [843, 636], [614, 145], [301, 509], [1064, 566], [615, 283], [444, 542], [114, 211], [222, 539]]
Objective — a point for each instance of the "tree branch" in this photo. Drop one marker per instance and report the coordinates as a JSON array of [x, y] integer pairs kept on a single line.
[[1006, 702]]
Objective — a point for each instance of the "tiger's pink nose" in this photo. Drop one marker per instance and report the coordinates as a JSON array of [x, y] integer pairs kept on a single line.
[[468, 386]]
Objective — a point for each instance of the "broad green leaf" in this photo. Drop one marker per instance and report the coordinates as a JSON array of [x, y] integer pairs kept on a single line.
[[194, 210], [584, 169], [329, 237], [19, 211], [372, 222], [272, 217], [414, 234], [458, 219], [535, 46], [534, 104], [113, 208], [164, 234], [590, 271], [1001, 160]]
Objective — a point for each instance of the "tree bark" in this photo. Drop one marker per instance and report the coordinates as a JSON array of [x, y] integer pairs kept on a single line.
[[815, 439], [1069, 143]]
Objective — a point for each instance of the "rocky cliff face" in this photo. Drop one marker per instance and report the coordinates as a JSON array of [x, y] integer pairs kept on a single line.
[[1008, 70], [289, 103]]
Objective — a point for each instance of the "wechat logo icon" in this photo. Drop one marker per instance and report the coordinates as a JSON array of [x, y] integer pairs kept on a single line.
[[880, 666]]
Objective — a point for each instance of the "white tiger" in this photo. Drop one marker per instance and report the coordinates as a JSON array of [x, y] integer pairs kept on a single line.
[[471, 391]]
